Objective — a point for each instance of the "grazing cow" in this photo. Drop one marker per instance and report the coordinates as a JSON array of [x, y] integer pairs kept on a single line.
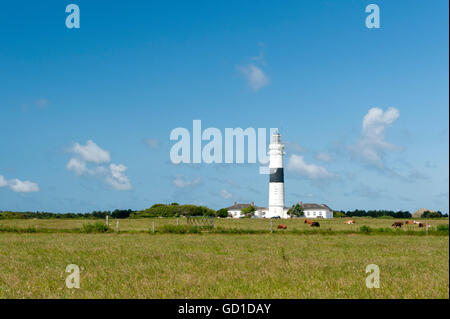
[[350, 222], [315, 224], [422, 225], [282, 226], [397, 224], [416, 222], [308, 221], [409, 222]]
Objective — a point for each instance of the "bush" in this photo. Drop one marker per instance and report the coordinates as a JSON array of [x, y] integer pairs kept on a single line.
[[161, 210], [95, 228], [339, 214], [442, 228], [365, 229], [223, 213], [8, 229], [428, 214]]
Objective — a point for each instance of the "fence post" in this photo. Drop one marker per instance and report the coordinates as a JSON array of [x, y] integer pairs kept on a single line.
[[117, 225], [178, 221], [107, 220], [212, 221], [153, 224]]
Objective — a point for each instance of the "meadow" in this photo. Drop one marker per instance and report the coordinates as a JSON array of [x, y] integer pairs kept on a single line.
[[145, 224], [138, 264]]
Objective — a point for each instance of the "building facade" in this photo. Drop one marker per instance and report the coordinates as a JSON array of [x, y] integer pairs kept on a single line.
[[235, 210], [317, 210]]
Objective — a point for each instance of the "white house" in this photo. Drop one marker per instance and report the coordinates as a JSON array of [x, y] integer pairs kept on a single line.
[[260, 212], [235, 210], [317, 211]]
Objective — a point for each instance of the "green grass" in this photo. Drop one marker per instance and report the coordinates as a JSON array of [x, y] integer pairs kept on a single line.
[[138, 265], [365, 226], [144, 224]]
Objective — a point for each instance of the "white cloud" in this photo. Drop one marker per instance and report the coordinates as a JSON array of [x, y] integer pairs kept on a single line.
[[180, 182], [255, 77], [77, 165], [296, 163], [152, 143], [91, 152], [93, 155], [372, 144], [225, 194], [18, 186], [294, 147], [3, 181], [118, 179], [23, 187], [324, 157]]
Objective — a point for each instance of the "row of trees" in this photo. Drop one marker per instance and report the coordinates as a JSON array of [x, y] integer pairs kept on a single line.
[[385, 213], [373, 213], [428, 214], [176, 210], [118, 213]]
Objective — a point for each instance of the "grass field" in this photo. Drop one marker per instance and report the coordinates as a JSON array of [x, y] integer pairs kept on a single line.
[[140, 265], [144, 224]]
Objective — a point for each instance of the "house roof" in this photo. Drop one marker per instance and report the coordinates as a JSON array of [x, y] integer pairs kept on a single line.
[[241, 206], [312, 206]]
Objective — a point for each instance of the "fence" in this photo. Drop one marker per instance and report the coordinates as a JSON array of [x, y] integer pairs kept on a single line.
[[201, 221]]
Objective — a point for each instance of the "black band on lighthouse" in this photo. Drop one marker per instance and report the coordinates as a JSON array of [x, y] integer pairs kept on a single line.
[[276, 175]]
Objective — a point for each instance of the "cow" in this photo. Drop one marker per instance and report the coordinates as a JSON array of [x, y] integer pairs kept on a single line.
[[397, 224], [282, 226], [350, 222], [423, 225], [315, 224], [409, 222], [308, 221]]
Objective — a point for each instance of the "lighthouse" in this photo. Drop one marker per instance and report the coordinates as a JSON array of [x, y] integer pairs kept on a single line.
[[276, 184]]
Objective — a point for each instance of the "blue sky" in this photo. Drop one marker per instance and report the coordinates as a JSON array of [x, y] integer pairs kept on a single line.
[[86, 113]]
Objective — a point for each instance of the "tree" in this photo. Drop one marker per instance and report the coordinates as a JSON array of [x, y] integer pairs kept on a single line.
[[223, 213], [296, 211], [121, 213], [339, 214], [248, 211], [428, 214]]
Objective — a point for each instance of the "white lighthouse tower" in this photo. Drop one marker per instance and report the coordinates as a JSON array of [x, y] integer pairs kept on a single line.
[[276, 185]]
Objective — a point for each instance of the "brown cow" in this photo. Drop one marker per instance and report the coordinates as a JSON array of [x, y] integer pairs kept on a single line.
[[350, 222], [422, 225], [397, 224], [282, 226], [409, 222], [315, 224], [308, 221]]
